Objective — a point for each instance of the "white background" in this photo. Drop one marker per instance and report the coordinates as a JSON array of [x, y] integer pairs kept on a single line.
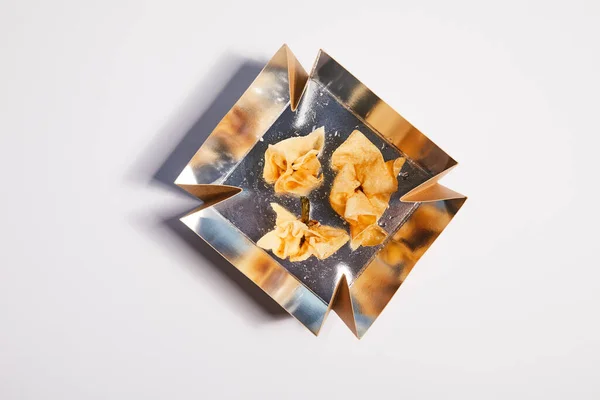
[[103, 296]]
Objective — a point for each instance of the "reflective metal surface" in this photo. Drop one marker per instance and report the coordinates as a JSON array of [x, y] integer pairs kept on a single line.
[[285, 102], [251, 213]]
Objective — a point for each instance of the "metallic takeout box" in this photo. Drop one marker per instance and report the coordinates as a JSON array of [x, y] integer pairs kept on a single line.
[[226, 174]]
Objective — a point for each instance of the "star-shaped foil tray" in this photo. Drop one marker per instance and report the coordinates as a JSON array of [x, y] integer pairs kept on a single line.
[[226, 174]]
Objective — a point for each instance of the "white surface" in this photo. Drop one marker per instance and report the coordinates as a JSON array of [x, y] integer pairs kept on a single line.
[[99, 299]]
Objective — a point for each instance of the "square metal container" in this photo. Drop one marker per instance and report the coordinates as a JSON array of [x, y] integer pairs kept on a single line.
[[226, 174]]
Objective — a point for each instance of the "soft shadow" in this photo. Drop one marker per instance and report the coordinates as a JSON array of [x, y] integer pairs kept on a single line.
[[236, 74]]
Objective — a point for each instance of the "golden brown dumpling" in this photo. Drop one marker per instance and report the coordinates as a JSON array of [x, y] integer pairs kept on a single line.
[[292, 164], [362, 187], [294, 239]]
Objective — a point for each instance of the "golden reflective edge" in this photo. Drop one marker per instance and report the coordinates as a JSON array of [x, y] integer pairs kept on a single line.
[[259, 267], [281, 84], [242, 126], [379, 115], [380, 280]]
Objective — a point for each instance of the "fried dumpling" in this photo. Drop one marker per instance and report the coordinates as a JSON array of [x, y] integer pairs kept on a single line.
[[294, 239], [362, 188], [293, 164]]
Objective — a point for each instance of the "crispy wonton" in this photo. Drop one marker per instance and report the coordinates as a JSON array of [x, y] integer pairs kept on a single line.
[[294, 239], [362, 187], [292, 164]]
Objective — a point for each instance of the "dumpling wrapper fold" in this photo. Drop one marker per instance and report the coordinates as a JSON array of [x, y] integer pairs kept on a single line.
[[294, 239], [293, 164], [362, 188]]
